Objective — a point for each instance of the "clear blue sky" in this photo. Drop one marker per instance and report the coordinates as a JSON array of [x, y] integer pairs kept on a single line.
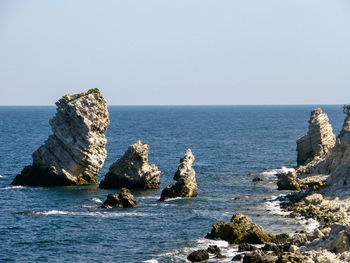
[[179, 52]]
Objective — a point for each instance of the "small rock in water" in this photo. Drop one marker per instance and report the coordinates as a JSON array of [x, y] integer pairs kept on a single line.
[[186, 185], [246, 247], [199, 255], [238, 257], [213, 249], [124, 199], [257, 179]]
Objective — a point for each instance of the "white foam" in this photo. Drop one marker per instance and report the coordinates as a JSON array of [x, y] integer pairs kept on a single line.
[[309, 224], [151, 261], [96, 214], [172, 199], [96, 200], [11, 187], [273, 172], [274, 207]]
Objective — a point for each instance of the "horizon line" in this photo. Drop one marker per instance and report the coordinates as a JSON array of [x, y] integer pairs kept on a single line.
[[178, 105]]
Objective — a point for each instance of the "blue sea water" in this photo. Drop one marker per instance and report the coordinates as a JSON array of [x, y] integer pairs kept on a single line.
[[231, 144]]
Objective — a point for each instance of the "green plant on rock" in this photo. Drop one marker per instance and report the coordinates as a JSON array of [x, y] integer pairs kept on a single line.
[[79, 95]]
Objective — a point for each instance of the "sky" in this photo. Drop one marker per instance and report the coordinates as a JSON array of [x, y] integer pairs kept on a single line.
[[179, 52]]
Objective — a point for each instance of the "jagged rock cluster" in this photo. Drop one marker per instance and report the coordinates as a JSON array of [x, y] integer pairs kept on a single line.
[[318, 140], [76, 151], [132, 170], [186, 185], [122, 200]]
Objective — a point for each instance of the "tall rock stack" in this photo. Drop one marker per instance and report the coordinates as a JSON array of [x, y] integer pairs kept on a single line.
[[319, 139], [76, 151], [133, 170], [185, 177]]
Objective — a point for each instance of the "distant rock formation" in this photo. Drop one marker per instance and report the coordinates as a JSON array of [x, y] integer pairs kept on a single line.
[[123, 200], [186, 185], [76, 151], [133, 170], [319, 139]]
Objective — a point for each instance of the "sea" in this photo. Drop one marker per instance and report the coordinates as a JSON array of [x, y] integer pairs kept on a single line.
[[231, 144]]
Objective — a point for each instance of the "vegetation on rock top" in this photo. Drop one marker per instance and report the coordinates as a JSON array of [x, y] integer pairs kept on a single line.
[[72, 98]]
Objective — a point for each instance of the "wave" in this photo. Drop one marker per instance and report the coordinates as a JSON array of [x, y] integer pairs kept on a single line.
[[12, 187], [274, 205], [273, 172], [95, 214], [97, 200]]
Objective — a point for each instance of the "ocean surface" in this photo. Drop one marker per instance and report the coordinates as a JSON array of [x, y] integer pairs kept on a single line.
[[232, 145]]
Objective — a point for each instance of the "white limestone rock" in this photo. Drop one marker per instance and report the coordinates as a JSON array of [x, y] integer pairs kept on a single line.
[[185, 177], [318, 140], [132, 170], [76, 150]]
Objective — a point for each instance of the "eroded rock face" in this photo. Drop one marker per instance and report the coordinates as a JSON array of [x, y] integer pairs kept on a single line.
[[133, 170], [124, 199], [240, 230], [338, 162], [186, 185], [76, 151], [319, 139]]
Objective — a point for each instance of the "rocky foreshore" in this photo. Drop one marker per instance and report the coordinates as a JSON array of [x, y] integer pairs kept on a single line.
[[320, 190]]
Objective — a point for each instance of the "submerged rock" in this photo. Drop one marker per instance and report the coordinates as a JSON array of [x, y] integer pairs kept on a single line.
[[318, 140], [186, 185], [124, 199], [133, 170], [240, 230], [76, 151], [199, 255]]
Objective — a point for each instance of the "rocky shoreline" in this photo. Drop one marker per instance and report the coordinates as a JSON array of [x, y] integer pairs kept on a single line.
[[319, 191]]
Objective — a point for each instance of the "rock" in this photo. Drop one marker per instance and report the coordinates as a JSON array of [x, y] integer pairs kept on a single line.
[[293, 258], [288, 181], [246, 247], [76, 151], [241, 229], [270, 247], [132, 170], [318, 140], [337, 163], [213, 249], [257, 179], [124, 199], [259, 257], [238, 257], [314, 199], [186, 185], [199, 255], [293, 249], [280, 239]]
